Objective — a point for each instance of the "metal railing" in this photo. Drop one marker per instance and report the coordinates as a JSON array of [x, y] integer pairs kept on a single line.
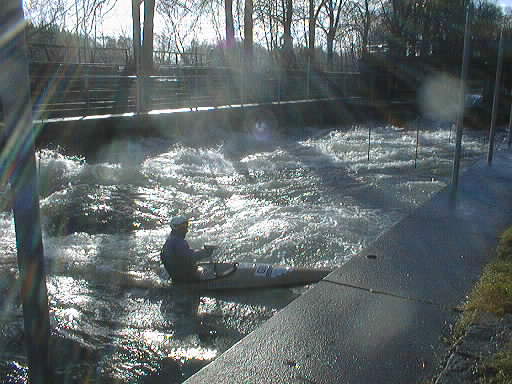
[[78, 90]]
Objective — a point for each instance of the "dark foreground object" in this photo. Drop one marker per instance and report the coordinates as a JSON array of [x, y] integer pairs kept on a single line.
[[382, 319], [226, 276]]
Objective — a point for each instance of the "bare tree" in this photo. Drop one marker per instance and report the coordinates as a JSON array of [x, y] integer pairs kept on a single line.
[[363, 15], [332, 15], [136, 36], [248, 31], [87, 14], [287, 47], [230, 25], [396, 15], [181, 22], [43, 13], [314, 11], [143, 55], [266, 14], [148, 37]]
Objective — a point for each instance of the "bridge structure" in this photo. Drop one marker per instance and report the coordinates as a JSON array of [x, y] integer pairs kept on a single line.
[[64, 89]]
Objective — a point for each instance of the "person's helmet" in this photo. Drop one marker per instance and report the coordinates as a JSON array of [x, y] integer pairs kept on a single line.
[[178, 221]]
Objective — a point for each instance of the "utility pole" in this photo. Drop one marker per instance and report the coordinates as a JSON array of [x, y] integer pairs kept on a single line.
[[18, 158]]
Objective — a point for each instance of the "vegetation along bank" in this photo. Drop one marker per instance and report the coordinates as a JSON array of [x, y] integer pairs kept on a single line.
[[481, 343]]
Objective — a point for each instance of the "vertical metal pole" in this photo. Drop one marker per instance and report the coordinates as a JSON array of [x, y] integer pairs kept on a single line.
[[460, 117], [137, 53], [18, 154], [279, 85], [417, 144], [344, 76], [369, 139], [196, 87], [308, 79], [86, 89], [496, 101], [510, 128]]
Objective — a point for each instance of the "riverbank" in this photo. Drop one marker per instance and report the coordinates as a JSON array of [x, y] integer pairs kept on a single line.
[[480, 348]]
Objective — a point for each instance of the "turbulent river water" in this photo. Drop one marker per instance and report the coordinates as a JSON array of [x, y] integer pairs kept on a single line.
[[313, 200]]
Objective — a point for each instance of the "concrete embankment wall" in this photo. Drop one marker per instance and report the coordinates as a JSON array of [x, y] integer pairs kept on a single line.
[[83, 134]]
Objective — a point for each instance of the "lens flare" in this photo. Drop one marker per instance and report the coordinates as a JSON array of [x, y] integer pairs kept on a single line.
[[439, 97]]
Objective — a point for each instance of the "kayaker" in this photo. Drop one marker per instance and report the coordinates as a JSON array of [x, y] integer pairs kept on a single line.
[[178, 258]]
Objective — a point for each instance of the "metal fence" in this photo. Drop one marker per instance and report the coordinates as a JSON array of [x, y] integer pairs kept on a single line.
[[65, 54], [78, 90]]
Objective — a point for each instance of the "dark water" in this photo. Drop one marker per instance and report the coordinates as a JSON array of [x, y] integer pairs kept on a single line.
[[314, 201]]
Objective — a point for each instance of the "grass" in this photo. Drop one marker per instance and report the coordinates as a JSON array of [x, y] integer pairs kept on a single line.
[[493, 293]]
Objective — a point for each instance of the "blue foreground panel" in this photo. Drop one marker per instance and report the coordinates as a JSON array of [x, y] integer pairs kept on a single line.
[[381, 317]]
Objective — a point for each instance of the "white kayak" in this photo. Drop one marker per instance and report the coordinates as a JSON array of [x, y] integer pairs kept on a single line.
[[225, 276]]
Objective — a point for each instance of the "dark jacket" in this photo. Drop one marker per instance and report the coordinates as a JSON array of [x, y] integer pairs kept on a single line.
[[179, 259]]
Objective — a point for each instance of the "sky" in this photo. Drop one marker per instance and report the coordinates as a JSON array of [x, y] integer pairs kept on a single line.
[[119, 21]]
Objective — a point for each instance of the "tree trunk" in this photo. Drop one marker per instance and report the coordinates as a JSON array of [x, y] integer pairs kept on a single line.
[[136, 40], [147, 39], [330, 50], [287, 35], [248, 32], [77, 31], [230, 26], [334, 22], [147, 52], [311, 32], [136, 30], [366, 30], [401, 15]]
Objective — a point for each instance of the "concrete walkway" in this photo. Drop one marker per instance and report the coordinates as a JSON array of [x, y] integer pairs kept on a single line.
[[381, 319]]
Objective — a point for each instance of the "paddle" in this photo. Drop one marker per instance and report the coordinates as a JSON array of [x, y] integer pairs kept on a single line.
[[211, 249]]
